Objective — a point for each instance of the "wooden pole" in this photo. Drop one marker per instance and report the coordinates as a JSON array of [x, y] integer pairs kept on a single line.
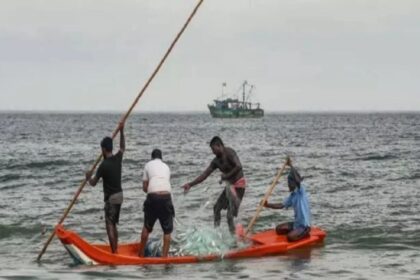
[[267, 195], [123, 119]]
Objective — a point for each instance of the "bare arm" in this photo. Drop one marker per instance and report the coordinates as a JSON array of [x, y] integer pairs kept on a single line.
[[145, 186], [274, 205], [199, 179], [202, 177], [122, 138]]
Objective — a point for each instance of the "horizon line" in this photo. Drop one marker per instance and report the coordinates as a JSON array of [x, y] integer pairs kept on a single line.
[[2, 111]]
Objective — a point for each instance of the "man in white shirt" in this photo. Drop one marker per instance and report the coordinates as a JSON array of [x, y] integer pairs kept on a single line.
[[158, 204]]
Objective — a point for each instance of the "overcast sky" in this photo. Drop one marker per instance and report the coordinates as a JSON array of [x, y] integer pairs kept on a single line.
[[302, 55]]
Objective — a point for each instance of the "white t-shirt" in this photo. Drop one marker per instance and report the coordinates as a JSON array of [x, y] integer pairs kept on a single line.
[[158, 175]]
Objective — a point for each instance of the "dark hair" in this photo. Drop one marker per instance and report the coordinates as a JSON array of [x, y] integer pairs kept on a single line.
[[106, 143], [294, 177], [216, 140], [156, 153]]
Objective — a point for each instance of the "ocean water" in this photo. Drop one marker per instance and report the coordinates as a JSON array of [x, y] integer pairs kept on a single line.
[[362, 172]]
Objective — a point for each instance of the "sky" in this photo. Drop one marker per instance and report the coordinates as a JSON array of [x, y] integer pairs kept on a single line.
[[301, 55]]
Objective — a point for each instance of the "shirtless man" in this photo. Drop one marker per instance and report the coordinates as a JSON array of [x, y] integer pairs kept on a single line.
[[228, 163]]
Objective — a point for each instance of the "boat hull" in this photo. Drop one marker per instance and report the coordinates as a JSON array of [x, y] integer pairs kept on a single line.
[[235, 113], [262, 244]]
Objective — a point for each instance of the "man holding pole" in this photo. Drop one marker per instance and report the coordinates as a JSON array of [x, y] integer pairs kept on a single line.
[[230, 199], [301, 226], [110, 172], [142, 91]]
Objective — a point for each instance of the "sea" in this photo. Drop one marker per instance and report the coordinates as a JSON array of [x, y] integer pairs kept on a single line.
[[362, 172]]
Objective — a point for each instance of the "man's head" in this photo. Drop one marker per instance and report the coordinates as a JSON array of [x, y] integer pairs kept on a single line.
[[293, 179], [156, 153], [106, 145], [216, 145]]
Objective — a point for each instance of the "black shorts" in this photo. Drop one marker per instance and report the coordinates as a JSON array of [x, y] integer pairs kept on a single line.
[[159, 206], [112, 212]]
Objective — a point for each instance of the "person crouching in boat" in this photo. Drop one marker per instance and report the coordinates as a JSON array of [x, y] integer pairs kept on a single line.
[[228, 163], [158, 204], [110, 172], [301, 226]]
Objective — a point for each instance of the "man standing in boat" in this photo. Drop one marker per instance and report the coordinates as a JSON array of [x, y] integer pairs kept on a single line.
[[110, 172], [301, 226], [228, 163], [158, 204]]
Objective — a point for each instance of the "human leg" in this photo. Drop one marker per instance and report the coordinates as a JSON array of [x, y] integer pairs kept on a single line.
[[231, 223], [149, 221], [143, 240], [298, 233], [166, 215], [220, 204], [230, 213], [234, 197], [284, 228], [112, 215], [111, 230], [166, 244]]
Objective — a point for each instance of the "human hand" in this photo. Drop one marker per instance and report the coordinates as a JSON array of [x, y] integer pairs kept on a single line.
[[121, 125], [221, 180], [288, 161], [88, 175], [186, 188]]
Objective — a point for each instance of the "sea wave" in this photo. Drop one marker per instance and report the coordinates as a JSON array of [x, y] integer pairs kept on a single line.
[[39, 164], [15, 230]]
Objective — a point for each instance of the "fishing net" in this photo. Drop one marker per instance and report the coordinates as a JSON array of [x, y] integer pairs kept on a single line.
[[206, 240]]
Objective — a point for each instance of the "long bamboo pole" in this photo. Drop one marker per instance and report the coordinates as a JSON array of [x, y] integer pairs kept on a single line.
[[267, 195], [123, 119]]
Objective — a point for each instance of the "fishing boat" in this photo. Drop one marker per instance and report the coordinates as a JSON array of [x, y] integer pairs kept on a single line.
[[264, 243], [235, 108]]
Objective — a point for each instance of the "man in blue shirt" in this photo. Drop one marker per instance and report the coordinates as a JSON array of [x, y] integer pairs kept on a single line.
[[301, 226]]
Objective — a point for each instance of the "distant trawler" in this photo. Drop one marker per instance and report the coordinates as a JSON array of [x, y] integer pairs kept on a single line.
[[235, 108]]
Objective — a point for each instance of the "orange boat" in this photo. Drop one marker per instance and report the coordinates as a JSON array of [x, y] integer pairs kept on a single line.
[[262, 244]]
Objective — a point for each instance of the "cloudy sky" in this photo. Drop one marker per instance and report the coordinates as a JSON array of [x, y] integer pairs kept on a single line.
[[302, 55]]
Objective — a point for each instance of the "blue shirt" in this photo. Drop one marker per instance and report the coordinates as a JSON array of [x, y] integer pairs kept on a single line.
[[300, 203]]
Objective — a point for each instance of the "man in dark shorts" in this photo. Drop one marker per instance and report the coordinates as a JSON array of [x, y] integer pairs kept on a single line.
[[228, 163], [110, 172], [158, 204], [301, 226]]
